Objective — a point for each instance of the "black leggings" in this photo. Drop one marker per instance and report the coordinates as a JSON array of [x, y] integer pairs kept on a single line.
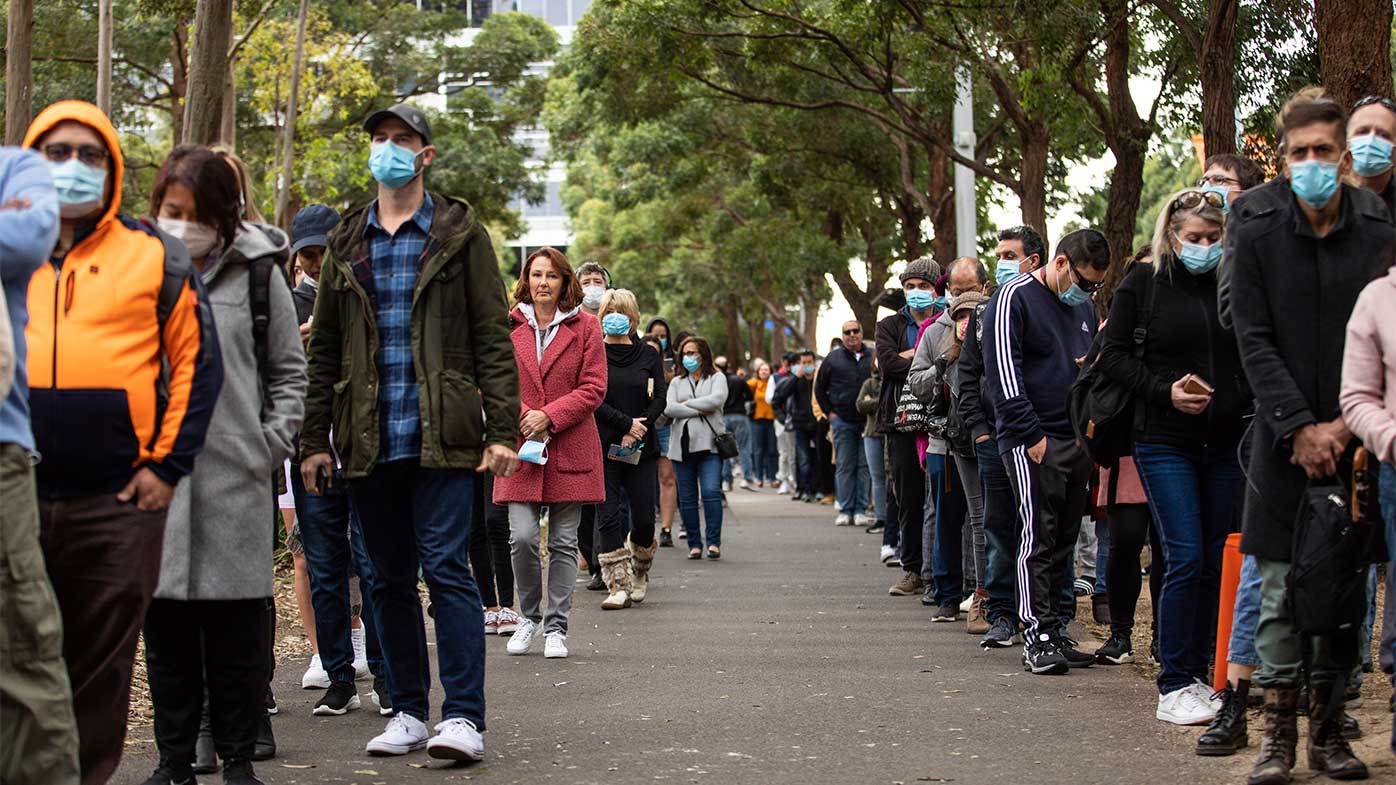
[[489, 547], [1130, 526], [635, 484]]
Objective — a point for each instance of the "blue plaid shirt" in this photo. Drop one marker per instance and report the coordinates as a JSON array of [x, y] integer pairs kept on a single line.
[[396, 260]]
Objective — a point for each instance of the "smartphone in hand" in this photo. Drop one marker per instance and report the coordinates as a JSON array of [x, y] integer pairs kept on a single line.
[[322, 481], [1196, 386]]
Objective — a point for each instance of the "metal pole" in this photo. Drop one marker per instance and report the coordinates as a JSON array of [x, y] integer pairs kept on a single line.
[[966, 234]]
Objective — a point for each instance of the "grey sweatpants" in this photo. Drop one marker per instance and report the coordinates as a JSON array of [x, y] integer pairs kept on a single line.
[[563, 520]]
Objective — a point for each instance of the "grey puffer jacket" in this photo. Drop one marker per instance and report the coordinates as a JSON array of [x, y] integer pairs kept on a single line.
[[218, 535]]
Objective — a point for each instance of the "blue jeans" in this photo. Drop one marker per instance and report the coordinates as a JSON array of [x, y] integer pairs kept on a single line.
[[415, 518], [739, 426], [877, 475], [333, 546], [1246, 617], [1001, 533], [851, 464], [765, 457], [1192, 494], [700, 475], [947, 556]]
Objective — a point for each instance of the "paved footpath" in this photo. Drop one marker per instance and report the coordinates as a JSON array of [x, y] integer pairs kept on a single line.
[[786, 662]]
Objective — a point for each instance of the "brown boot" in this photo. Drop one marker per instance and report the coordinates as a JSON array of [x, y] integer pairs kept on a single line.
[[1329, 752], [978, 623], [641, 559], [615, 571], [1281, 737]]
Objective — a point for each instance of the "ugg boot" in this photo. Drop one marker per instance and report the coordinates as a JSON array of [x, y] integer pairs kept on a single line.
[[615, 571], [1281, 737], [641, 561], [1329, 752]]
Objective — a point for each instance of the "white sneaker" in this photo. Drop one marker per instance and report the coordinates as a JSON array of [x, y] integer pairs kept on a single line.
[[726, 487], [745, 485], [457, 739], [966, 603], [356, 639], [1208, 695], [888, 554], [404, 734], [522, 638], [784, 489], [1185, 707], [508, 621], [864, 520], [555, 646], [315, 678], [843, 519]]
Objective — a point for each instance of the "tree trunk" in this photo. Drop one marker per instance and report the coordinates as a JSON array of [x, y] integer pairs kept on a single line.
[[910, 217], [288, 138], [1218, 66], [104, 34], [208, 71], [228, 125], [734, 344], [1131, 137], [1037, 142], [1354, 48], [179, 78], [19, 70], [942, 193]]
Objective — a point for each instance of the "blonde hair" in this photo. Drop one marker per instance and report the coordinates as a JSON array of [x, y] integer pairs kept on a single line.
[[1171, 220], [622, 301]]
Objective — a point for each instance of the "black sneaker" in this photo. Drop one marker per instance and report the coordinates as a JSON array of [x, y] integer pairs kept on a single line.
[[1000, 634], [928, 597], [264, 746], [876, 527], [1116, 651], [666, 538], [1074, 656], [380, 696], [165, 775], [946, 611], [596, 583], [1042, 657], [340, 698], [239, 772]]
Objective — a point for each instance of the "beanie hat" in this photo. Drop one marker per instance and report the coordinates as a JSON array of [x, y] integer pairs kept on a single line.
[[925, 268]]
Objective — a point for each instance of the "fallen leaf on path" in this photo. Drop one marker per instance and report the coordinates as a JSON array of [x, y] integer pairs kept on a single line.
[[369, 772], [298, 765]]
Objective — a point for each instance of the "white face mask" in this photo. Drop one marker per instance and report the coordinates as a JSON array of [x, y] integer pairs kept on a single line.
[[591, 296], [199, 238]]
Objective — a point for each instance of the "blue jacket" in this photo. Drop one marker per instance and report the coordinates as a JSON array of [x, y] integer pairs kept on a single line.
[[1031, 343], [27, 237]]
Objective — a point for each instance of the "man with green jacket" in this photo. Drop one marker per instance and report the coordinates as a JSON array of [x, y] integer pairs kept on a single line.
[[412, 385]]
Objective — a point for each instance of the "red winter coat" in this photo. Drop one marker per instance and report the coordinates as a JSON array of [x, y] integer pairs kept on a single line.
[[568, 385]]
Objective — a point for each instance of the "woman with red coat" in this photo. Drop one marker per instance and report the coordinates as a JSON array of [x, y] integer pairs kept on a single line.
[[562, 381]]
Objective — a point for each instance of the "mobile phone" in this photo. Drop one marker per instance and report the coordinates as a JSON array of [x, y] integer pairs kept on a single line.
[[322, 481], [1196, 386]]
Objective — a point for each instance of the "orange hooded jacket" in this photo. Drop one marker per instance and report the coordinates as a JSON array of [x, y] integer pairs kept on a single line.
[[101, 405]]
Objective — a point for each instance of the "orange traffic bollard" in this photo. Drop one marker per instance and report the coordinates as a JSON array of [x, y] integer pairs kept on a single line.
[[1226, 606]]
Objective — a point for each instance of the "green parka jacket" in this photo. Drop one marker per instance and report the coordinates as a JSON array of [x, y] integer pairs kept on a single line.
[[466, 375]]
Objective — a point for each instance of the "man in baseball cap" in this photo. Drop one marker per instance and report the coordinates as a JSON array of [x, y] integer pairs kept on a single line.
[[401, 151]]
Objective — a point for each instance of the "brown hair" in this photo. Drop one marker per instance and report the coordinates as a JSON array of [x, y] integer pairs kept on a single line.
[[705, 355], [210, 180], [1248, 172], [570, 296], [1311, 106]]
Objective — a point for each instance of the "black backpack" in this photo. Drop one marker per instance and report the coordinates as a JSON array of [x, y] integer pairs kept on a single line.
[[1103, 412]]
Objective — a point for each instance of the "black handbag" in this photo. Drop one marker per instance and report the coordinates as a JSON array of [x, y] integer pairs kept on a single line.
[[1326, 589], [724, 444], [1104, 413]]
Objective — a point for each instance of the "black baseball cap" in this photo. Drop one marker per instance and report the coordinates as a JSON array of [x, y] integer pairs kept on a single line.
[[311, 226], [415, 119]]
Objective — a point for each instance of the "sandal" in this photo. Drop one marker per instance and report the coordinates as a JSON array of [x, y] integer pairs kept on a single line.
[[714, 553]]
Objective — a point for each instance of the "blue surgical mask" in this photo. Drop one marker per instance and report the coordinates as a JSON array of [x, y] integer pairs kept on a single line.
[[1314, 181], [1006, 271], [809, 369], [1224, 193], [392, 165], [81, 188], [920, 300], [1200, 259], [664, 343], [534, 451], [691, 364], [1073, 295], [942, 302], [1371, 155], [615, 324]]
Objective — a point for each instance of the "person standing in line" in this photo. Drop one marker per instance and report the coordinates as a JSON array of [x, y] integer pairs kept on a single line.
[[796, 395], [346, 648], [1194, 397], [895, 346], [39, 738], [562, 380], [595, 282], [840, 379], [738, 422], [868, 396], [694, 403], [636, 396], [1335, 239], [492, 562], [786, 461], [409, 343], [206, 627], [668, 485], [1039, 327], [764, 454], [112, 454]]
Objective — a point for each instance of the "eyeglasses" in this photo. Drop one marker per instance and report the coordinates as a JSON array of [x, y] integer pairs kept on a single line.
[[92, 155], [854, 331], [1375, 99], [1219, 180], [1188, 200]]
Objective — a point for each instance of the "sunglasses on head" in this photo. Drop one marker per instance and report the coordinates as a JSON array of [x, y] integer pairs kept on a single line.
[[1375, 99], [1189, 200]]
